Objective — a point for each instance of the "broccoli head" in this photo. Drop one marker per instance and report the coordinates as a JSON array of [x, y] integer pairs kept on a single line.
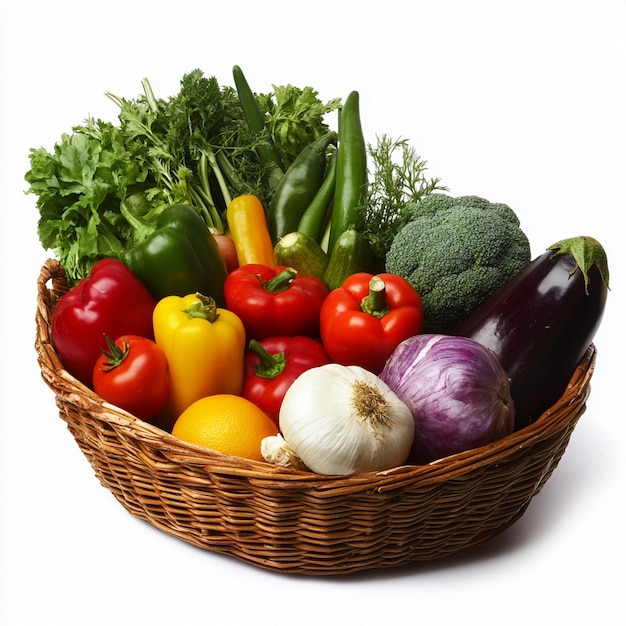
[[456, 252]]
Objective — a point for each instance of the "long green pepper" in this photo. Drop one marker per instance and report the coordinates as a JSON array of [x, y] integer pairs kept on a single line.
[[298, 187], [349, 202], [314, 217]]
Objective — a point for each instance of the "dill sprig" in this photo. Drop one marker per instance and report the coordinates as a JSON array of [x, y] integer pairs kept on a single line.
[[397, 179]]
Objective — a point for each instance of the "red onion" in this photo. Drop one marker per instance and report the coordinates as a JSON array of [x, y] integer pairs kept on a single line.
[[456, 390], [227, 249]]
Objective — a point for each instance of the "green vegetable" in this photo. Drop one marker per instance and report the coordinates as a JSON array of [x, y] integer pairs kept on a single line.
[[179, 138], [256, 123], [351, 184], [298, 187], [301, 252], [316, 214], [194, 148], [350, 254], [80, 185], [397, 180], [456, 252], [176, 255], [295, 118]]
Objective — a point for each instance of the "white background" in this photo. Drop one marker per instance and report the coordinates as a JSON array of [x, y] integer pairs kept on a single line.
[[521, 102]]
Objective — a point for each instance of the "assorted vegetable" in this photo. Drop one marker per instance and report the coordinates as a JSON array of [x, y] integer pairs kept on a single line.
[[542, 321], [273, 363], [344, 420], [224, 244], [193, 148], [111, 302]]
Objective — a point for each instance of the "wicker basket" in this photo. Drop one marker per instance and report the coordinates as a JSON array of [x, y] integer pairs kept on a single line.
[[298, 522]]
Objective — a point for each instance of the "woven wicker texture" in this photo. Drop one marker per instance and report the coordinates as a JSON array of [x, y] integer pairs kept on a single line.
[[298, 522]]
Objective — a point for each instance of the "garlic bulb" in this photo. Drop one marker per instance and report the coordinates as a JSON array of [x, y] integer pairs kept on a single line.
[[344, 420]]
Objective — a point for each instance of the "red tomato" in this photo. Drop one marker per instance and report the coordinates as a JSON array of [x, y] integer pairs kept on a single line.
[[133, 375], [110, 301]]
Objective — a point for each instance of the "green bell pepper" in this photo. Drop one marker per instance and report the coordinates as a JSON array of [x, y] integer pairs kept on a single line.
[[176, 254]]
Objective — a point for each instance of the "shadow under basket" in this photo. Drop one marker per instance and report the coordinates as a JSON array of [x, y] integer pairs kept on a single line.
[[299, 522]]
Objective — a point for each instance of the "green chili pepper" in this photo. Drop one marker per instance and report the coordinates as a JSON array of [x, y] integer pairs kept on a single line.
[[298, 186], [351, 186], [266, 150], [176, 254], [314, 217]]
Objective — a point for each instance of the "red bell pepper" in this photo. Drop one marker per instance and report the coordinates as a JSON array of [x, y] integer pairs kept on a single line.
[[275, 301], [111, 302], [363, 321], [273, 363]]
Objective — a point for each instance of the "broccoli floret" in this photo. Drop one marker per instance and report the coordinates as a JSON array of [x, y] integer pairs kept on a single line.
[[456, 252]]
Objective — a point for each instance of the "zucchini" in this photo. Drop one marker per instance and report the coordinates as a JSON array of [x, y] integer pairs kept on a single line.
[[301, 252], [350, 254]]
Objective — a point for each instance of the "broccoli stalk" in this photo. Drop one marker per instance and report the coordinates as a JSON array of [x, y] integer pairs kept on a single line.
[[456, 252]]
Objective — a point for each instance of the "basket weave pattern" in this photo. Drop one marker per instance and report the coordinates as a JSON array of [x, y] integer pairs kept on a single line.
[[299, 522]]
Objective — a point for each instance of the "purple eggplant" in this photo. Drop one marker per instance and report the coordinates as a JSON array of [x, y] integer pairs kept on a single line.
[[541, 323]]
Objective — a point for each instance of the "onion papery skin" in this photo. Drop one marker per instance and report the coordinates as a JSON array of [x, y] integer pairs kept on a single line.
[[457, 391]]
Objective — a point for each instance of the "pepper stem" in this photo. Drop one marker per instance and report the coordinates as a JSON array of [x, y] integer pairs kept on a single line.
[[270, 365], [375, 303], [282, 281], [204, 307]]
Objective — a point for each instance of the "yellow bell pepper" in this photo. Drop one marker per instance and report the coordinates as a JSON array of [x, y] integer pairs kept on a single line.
[[204, 345]]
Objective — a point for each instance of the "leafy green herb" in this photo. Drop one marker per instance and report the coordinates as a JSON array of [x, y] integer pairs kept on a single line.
[[80, 186], [193, 148], [397, 176], [180, 136], [295, 117]]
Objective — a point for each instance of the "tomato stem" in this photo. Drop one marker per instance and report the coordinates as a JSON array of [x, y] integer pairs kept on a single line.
[[115, 355]]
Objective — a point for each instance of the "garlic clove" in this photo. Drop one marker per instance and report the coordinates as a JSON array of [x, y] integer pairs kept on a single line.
[[277, 451]]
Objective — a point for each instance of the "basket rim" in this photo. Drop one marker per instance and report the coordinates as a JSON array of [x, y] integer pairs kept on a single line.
[[51, 285]]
